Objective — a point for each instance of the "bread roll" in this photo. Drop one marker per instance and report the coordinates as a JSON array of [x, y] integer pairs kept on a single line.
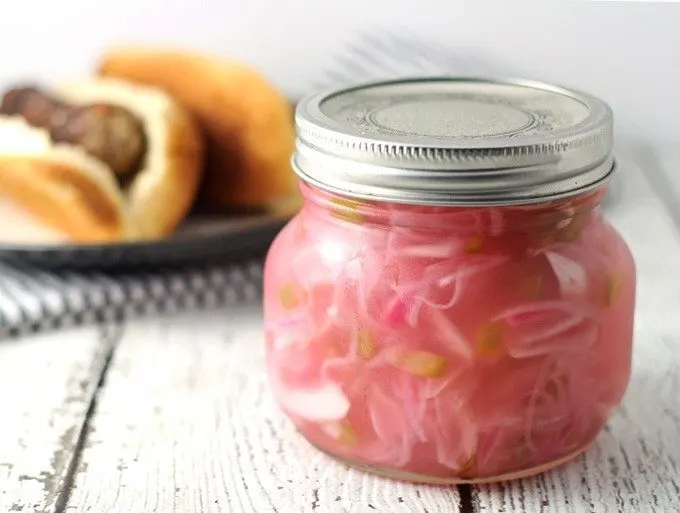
[[248, 123], [78, 195]]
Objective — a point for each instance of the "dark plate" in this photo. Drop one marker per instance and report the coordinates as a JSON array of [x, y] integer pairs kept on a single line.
[[201, 239]]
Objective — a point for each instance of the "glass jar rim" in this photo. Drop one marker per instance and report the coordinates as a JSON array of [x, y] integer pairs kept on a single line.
[[455, 218]]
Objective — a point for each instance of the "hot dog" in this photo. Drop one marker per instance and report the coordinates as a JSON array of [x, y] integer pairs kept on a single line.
[[108, 132], [100, 160], [247, 122]]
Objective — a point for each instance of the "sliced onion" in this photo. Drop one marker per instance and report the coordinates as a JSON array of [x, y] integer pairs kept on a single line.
[[394, 435], [323, 404], [454, 433], [577, 339], [531, 311], [448, 334], [444, 250], [570, 274], [497, 220], [537, 328], [407, 390]]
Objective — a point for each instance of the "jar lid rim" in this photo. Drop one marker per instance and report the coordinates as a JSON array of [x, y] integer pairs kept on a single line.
[[453, 140]]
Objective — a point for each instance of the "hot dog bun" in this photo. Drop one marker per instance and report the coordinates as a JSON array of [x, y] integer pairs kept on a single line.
[[58, 186], [248, 124], [78, 195]]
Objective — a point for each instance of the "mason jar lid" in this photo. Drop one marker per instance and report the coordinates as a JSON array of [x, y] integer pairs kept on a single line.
[[454, 141]]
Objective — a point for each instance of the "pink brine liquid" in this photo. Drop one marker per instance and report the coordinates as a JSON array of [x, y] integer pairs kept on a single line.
[[449, 344]]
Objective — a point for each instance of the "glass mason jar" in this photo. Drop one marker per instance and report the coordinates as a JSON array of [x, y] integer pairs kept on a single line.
[[450, 305]]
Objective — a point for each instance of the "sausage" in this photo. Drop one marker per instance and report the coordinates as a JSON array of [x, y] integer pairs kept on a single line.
[[35, 107], [107, 132]]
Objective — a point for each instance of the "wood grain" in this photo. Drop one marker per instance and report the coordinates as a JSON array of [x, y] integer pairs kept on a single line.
[[186, 423], [47, 383], [635, 464]]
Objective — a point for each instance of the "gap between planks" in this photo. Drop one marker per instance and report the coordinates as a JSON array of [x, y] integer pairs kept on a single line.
[[110, 334], [48, 383]]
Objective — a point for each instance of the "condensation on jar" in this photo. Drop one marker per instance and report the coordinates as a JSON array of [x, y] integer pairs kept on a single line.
[[450, 304]]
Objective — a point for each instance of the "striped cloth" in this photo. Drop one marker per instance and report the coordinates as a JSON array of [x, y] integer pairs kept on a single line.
[[34, 299]]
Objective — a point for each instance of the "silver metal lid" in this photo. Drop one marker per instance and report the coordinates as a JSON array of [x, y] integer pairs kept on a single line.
[[454, 141]]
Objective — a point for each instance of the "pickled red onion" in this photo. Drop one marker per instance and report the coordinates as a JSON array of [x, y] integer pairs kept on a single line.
[[394, 434], [448, 334], [571, 275], [418, 394], [453, 431], [323, 404]]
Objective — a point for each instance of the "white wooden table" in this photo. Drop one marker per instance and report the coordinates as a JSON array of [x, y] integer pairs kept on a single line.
[[174, 414]]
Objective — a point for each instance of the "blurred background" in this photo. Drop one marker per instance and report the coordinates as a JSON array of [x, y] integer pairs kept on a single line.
[[627, 52]]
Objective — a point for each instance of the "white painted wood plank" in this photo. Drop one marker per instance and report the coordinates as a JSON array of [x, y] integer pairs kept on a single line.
[[46, 384], [635, 465], [186, 423]]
